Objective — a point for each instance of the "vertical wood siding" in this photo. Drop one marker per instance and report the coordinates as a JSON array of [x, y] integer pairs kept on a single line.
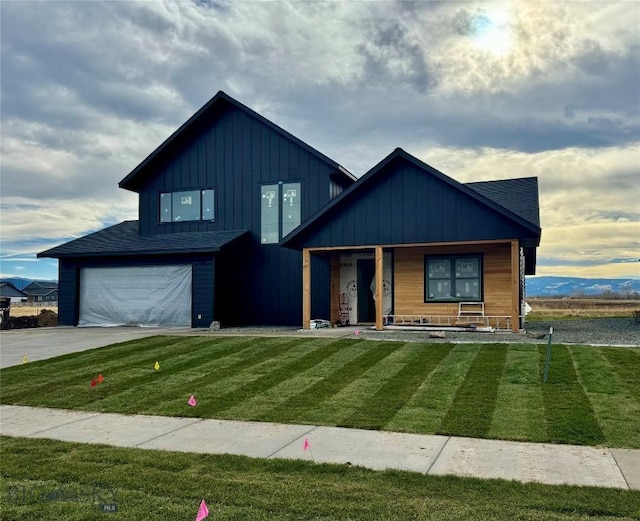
[[404, 204], [235, 154]]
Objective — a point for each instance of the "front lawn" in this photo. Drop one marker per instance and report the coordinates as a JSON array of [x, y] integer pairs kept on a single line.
[[592, 396], [59, 481]]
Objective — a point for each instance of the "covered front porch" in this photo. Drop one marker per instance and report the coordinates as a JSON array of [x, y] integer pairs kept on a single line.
[[387, 286]]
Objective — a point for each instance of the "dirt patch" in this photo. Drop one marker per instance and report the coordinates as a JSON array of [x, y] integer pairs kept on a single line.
[[46, 318]]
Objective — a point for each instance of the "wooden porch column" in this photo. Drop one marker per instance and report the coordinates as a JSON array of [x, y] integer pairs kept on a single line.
[[515, 286], [379, 293], [306, 288]]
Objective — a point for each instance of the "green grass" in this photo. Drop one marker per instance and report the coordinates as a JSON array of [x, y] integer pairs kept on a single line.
[[592, 396], [60, 481], [472, 409]]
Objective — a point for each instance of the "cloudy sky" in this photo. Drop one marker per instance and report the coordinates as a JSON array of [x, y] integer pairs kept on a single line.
[[478, 90]]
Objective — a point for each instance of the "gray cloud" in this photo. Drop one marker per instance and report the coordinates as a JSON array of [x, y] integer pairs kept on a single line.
[[88, 89]]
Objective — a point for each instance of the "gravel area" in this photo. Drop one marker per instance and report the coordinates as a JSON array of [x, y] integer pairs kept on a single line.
[[607, 331], [602, 331]]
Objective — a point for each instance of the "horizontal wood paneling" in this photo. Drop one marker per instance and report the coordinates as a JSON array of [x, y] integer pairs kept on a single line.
[[409, 279]]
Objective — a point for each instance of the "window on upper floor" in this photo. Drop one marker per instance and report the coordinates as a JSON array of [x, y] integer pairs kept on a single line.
[[280, 210], [454, 278], [188, 205]]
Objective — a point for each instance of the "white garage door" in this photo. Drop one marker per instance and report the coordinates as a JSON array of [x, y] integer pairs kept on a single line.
[[136, 296]]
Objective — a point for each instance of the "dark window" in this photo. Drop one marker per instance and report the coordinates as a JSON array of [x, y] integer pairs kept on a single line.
[[188, 205], [280, 210], [455, 278]]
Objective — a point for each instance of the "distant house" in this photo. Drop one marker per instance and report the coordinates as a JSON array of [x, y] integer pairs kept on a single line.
[[242, 222], [42, 291], [7, 289]]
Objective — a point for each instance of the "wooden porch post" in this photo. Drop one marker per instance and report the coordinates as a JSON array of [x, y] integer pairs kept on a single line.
[[515, 286], [379, 293], [306, 288]]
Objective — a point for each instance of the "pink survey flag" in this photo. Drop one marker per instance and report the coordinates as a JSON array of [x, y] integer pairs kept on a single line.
[[192, 401], [357, 332], [306, 445], [203, 511]]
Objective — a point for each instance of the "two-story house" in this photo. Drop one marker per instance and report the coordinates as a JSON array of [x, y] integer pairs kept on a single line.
[[214, 201], [241, 222]]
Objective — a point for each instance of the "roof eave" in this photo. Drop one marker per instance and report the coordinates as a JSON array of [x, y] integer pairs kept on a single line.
[[121, 253]]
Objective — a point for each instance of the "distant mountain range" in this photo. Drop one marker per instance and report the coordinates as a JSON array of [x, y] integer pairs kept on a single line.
[[573, 286]]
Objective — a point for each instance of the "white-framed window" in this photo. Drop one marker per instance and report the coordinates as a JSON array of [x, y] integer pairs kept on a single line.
[[187, 205], [280, 210], [453, 278]]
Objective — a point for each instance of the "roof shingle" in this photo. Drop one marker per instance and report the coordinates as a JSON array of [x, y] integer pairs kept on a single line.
[[123, 239]]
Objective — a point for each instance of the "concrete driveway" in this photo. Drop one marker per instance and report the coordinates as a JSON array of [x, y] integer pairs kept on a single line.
[[40, 343]]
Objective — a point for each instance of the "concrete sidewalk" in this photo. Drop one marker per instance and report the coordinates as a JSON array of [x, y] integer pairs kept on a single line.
[[378, 450]]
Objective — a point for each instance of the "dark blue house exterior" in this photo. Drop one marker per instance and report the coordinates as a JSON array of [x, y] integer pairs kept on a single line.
[[243, 223], [216, 197]]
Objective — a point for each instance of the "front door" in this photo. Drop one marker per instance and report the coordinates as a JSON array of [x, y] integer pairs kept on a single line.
[[366, 304]]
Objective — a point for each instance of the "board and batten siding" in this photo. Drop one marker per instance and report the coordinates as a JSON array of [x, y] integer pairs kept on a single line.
[[234, 155], [404, 204], [409, 279]]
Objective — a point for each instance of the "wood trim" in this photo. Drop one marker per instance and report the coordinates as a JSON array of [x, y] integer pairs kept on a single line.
[[409, 245], [379, 292], [306, 288], [515, 286]]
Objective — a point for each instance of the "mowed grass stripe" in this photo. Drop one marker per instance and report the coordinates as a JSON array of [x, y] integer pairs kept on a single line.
[[519, 410], [617, 412], [272, 378], [260, 404], [428, 406], [625, 362], [67, 393], [296, 407], [382, 406], [172, 380], [43, 382], [58, 369], [471, 412], [334, 409], [568, 412]]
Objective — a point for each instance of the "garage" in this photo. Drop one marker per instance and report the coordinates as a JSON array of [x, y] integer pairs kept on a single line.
[[136, 296]]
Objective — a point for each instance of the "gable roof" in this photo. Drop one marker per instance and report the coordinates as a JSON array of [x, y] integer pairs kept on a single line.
[[7, 289], [124, 240], [485, 193], [43, 284], [209, 111], [38, 291]]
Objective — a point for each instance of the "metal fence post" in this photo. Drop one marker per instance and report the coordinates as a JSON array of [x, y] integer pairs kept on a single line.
[[548, 359]]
